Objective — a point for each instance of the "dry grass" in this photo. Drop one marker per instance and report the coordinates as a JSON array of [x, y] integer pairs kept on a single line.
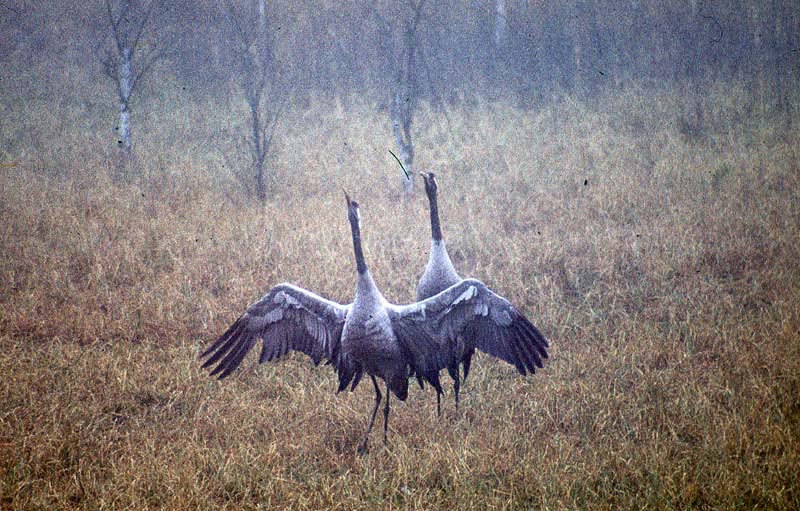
[[663, 266]]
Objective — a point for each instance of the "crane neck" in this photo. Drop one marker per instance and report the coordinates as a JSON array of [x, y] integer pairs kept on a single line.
[[361, 264], [436, 229]]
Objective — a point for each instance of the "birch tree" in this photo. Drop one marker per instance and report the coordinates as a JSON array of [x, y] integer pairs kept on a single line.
[[402, 63], [132, 50], [500, 26], [253, 53]]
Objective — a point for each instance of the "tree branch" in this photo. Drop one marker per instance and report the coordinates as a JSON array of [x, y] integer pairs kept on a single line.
[[270, 125], [144, 22], [151, 58], [115, 25], [106, 58], [244, 38]]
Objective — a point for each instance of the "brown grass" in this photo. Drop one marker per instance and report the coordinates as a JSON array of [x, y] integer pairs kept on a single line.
[[663, 267]]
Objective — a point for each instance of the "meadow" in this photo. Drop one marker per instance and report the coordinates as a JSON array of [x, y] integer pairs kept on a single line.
[[657, 250]]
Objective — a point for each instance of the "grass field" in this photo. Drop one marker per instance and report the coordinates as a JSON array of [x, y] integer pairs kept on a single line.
[[660, 258]]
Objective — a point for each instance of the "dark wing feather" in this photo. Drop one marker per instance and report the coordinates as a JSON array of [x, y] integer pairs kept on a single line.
[[447, 327], [287, 318]]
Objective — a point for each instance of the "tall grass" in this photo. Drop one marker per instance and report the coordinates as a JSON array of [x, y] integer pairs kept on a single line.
[[662, 264]]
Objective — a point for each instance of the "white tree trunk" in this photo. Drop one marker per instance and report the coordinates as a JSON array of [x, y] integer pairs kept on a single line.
[[500, 25], [578, 55], [124, 76], [262, 13]]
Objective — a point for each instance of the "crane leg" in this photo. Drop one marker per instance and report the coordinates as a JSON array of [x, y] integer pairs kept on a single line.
[[456, 388], [386, 414], [362, 447], [454, 374]]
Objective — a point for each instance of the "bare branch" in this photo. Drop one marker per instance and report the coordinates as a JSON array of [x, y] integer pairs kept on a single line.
[[417, 9], [272, 122], [114, 24], [151, 58], [106, 59], [436, 97], [142, 26], [244, 37], [15, 11], [120, 39]]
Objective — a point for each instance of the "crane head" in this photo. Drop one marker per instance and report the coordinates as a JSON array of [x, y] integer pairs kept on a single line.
[[430, 183], [353, 212]]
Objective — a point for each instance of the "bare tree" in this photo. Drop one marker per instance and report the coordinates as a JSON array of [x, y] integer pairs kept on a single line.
[[500, 26], [253, 52], [402, 63], [132, 51]]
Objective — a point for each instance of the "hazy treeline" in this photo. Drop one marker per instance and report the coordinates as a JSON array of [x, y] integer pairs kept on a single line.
[[520, 48]]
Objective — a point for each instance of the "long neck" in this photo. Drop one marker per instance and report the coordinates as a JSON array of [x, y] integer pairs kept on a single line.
[[361, 265], [436, 230]]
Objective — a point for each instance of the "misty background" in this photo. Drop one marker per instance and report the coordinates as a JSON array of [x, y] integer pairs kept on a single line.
[[522, 49], [276, 58]]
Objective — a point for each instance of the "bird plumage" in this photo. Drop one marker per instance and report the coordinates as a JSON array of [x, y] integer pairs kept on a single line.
[[439, 275], [287, 318], [373, 336]]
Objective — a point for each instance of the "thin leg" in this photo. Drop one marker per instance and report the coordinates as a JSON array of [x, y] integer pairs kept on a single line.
[[433, 379], [386, 414], [454, 374], [467, 360], [457, 387], [362, 447]]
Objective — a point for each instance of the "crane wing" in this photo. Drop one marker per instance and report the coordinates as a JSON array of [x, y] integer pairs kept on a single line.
[[285, 319], [468, 315]]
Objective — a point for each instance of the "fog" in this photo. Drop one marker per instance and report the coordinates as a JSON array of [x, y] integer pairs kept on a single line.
[[278, 56], [520, 49]]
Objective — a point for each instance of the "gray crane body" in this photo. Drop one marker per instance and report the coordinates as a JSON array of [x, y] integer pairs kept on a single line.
[[439, 272], [369, 339]]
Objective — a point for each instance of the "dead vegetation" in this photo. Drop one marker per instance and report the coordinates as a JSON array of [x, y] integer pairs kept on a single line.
[[664, 271]]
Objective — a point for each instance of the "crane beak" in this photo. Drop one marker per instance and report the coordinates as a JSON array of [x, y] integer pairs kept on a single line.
[[347, 197]]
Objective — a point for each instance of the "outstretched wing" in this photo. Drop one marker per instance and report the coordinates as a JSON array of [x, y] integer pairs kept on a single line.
[[285, 319], [468, 315]]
